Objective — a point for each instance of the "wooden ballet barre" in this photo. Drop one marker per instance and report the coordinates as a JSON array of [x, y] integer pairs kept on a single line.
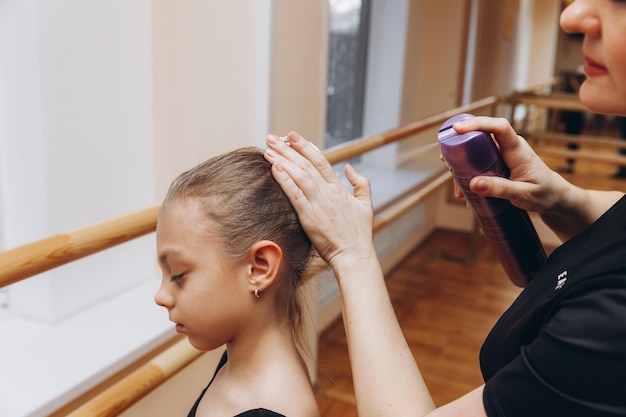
[[129, 390], [590, 140], [390, 214], [556, 101], [601, 157], [539, 88], [25, 261], [356, 147]]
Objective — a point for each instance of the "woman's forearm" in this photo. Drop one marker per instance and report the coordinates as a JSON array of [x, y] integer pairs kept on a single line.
[[379, 352]]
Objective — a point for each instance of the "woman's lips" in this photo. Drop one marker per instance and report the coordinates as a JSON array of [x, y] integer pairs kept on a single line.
[[594, 68]]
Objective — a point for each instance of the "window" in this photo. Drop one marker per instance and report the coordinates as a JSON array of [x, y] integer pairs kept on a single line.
[[349, 27]]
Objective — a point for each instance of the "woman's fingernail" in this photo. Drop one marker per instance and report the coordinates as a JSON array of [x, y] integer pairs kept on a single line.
[[294, 137], [271, 139], [270, 155], [459, 125], [278, 170], [480, 184]]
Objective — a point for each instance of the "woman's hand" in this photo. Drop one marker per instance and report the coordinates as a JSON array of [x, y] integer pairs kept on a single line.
[[533, 186], [338, 223]]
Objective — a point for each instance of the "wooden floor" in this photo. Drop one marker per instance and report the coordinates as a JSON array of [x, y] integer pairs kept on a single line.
[[445, 306]]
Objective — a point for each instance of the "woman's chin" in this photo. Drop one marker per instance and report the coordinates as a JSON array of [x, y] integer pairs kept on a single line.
[[606, 101]]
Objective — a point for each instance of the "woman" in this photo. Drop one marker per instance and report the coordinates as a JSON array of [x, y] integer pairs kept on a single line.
[[560, 349], [233, 256]]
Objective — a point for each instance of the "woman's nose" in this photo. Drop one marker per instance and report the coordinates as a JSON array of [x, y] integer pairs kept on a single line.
[[581, 17]]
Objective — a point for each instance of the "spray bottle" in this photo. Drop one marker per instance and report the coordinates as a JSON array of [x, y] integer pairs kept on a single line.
[[508, 228]]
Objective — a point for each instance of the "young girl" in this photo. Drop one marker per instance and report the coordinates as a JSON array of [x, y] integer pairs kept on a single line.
[[560, 349], [233, 256]]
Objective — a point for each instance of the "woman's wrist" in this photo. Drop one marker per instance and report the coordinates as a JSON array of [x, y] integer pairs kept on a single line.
[[350, 262], [575, 208]]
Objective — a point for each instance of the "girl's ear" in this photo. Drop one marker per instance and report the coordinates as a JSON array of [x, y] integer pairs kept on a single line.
[[264, 261]]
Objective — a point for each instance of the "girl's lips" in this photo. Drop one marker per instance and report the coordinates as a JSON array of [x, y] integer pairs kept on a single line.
[[179, 328], [594, 68]]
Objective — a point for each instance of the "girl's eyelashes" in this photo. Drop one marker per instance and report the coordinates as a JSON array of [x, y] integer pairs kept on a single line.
[[176, 278]]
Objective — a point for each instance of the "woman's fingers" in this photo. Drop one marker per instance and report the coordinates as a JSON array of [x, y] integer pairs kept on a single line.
[[299, 170], [361, 185], [309, 168], [501, 188], [335, 220], [296, 150], [312, 154], [292, 190], [500, 127]]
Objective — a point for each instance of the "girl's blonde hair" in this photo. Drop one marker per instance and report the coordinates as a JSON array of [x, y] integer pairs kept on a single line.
[[245, 204]]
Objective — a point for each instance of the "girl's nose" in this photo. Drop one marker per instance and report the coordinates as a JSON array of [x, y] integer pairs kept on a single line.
[[581, 17], [163, 298]]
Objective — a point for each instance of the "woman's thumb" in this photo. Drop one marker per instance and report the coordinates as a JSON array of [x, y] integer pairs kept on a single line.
[[497, 187]]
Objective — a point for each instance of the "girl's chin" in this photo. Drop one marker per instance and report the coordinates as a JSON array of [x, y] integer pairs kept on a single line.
[[203, 345]]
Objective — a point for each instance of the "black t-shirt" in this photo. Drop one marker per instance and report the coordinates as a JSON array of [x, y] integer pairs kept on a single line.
[[257, 412], [560, 349]]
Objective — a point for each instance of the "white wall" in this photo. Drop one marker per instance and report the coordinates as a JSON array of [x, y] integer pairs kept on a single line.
[[495, 49], [76, 85], [22, 154], [299, 59], [433, 68], [207, 80], [21, 142], [537, 36]]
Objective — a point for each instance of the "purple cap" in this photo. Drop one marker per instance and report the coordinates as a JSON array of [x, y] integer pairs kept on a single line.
[[468, 154]]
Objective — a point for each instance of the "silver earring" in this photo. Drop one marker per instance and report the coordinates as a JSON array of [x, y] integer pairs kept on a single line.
[[256, 292]]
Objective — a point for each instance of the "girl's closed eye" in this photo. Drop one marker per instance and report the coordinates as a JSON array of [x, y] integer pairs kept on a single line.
[[177, 278]]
